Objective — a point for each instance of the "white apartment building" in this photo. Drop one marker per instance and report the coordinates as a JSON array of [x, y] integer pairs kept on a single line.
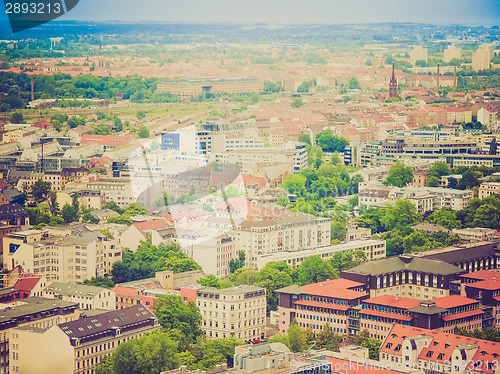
[[293, 154], [67, 259], [292, 232], [374, 249], [87, 297], [237, 311]]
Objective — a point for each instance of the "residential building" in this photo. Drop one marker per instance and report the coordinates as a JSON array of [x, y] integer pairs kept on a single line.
[[34, 312], [108, 142], [475, 234], [87, 297], [291, 232], [374, 249], [13, 240], [430, 228], [405, 276], [488, 188], [77, 346], [313, 305], [438, 352], [481, 59], [452, 52], [68, 259], [237, 311], [418, 53]]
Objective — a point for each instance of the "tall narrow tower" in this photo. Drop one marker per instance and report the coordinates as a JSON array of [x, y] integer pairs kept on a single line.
[[393, 85]]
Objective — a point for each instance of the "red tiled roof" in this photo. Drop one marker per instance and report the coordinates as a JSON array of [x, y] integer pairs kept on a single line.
[[470, 313], [337, 288], [453, 301], [125, 291], [489, 284], [106, 139], [482, 274], [322, 305], [442, 342], [497, 298], [384, 314], [394, 301], [27, 283], [151, 225]]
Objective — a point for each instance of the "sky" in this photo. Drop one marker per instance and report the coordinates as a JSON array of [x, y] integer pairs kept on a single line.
[[466, 12]]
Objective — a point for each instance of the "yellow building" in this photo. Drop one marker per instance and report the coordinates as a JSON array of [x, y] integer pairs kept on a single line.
[[77, 346], [34, 312]]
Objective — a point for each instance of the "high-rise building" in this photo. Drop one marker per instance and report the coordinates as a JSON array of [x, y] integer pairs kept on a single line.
[[452, 52], [481, 59], [418, 53]]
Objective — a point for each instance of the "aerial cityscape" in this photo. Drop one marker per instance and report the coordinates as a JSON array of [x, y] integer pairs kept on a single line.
[[216, 187]]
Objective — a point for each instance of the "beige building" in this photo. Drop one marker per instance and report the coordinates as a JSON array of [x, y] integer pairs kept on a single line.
[[452, 52], [487, 116], [236, 311], [418, 53], [481, 59], [295, 231], [250, 161], [68, 259], [87, 297], [77, 346], [187, 88], [34, 312], [489, 188], [374, 249], [475, 234], [13, 240]]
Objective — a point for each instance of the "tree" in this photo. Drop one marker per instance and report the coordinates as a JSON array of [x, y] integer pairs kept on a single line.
[[327, 339], [469, 179], [75, 122], [297, 102], [151, 353], [99, 282], [347, 260], [493, 147], [331, 143], [17, 117], [399, 175], [354, 84], [143, 132], [172, 313], [294, 337], [105, 366], [141, 114], [273, 276], [439, 169], [40, 189], [402, 214], [373, 345], [445, 217], [295, 184], [314, 270], [113, 206], [237, 263], [305, 138], [433, 181], [52, 202], [243, 276], [69, 213]]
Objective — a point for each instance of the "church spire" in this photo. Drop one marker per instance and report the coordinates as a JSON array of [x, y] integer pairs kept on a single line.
[[393, 85]]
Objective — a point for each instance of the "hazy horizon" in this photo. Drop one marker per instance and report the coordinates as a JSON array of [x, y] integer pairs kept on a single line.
[[443, 12]]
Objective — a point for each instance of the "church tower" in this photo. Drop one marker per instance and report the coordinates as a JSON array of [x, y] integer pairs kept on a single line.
[[393, 85]]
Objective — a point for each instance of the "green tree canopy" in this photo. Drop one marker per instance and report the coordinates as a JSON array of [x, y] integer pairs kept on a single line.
[[402, 214], [399, 175]]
